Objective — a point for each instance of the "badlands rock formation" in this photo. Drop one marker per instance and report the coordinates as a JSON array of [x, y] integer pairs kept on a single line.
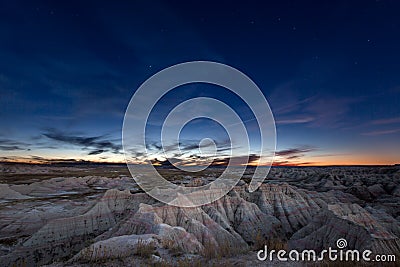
[[86, 220]]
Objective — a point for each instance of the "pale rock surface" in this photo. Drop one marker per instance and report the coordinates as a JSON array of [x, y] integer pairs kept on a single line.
[[349, 221], [376, 190], [115, 247], [9, 194], [312, 209], [294, 208]]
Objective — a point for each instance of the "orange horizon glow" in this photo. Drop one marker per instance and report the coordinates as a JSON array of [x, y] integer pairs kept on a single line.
[[304, 162]]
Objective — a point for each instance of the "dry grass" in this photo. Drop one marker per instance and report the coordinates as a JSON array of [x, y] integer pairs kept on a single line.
[[272, 243], [9, 241], [223, 249], [188, 263], [185, 262], [174, 249], [276, 244], [259, 242], [144, 249], [180, 263]]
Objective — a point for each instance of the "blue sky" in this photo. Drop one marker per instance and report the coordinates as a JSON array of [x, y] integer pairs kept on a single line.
[[329, 71]]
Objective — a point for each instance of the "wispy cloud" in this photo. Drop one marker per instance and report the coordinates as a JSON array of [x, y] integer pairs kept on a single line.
[[331, 155], [294, 120], [10, 145], [321, 110], [295, 152], [97, 152], [387, 121], [96, 144], [238, 160], [290, 105], [381, 132], [293, 156], [290, 163], [329, 111], [188, 146]]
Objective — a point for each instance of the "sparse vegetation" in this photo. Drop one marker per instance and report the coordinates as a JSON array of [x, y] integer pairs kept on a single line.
[[272, 243], [145, 249], [174, 249], [221, 250], [277, 244], [8, 241]]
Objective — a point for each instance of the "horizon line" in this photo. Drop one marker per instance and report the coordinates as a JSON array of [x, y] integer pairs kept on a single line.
[[83, 162]]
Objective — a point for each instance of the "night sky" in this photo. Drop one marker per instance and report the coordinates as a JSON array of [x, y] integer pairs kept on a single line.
[[329, 69]]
